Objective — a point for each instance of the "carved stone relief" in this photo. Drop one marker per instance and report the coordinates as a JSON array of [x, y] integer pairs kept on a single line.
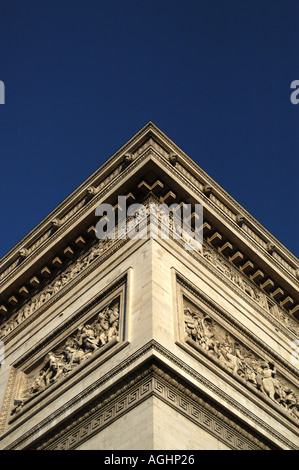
[[220, 263], [285, 319], [76, 349], [238, 359], [208, 252], [54, 286], [234, 275]]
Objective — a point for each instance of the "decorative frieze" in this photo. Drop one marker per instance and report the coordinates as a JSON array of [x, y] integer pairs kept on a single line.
[[285, 319], [53, 287], [210, 253], [241, 280], [228, 270]]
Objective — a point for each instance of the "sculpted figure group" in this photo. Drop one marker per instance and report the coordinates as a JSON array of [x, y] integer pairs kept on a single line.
[[76, 349], [238, 360]]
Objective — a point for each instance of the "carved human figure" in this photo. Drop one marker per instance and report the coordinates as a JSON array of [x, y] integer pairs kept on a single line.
[[222, 266], [233, 362], [54, 368], [33, 304], [48, 292], [87, 338], [26, 311], [207, 334], [290, 398], [64, 278], [268, 380], [95, 252], [250, 375], [113, 315], [20, 316], [73, 355], [190, 323], [102, 328], [38, 383], [208, 253]]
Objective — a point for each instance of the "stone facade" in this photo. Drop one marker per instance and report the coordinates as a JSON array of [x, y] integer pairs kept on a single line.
[[138, 343]]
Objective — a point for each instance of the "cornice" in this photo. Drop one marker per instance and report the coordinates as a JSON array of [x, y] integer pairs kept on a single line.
[[115, 245], [228, 221], [145, 146], [117, 160], [231, 203]]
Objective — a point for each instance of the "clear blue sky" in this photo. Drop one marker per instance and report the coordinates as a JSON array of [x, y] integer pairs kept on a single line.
[[82, 77]]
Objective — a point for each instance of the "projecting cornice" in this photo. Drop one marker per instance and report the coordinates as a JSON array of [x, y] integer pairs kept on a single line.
[[230, 228]]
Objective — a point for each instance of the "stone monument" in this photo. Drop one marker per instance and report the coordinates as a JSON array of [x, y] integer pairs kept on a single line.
[[134, 341]]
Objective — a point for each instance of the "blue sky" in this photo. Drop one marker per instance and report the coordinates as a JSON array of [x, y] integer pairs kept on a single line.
[[82, 77]]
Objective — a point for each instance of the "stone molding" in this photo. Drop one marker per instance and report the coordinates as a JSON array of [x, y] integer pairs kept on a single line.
[[152, 380], [152, 347]]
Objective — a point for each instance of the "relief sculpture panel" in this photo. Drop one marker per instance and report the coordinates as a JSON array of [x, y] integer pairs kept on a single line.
[[216, 342], [76, 349]]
